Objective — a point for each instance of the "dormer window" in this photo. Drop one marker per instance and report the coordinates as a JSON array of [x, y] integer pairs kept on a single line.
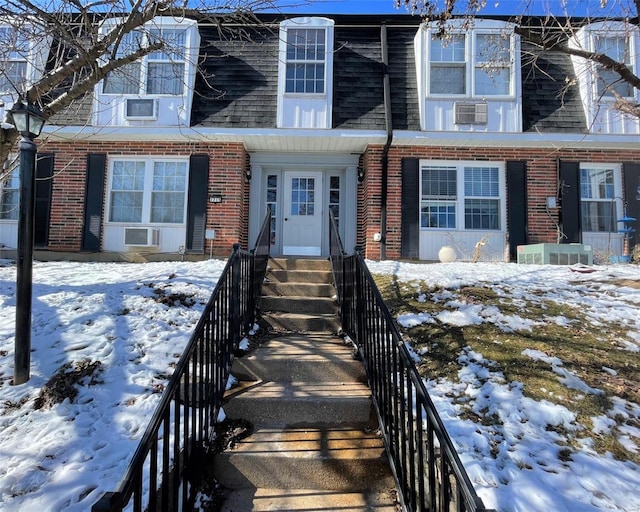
[[603, 91], [156, 90], [159, 72], [305, 73], [23, 54], [469, 78], [474, 64], [13, 60], [306, 50], [608, 82]]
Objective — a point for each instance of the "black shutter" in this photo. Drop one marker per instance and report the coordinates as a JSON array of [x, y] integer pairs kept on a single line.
[[516, 205], [632, 198], [570, 202], [197, 206], [44, 186], [93, 201], [410, 231]]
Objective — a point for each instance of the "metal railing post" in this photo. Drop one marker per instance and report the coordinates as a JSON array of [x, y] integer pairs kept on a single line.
[[358, 293], [235, 296]]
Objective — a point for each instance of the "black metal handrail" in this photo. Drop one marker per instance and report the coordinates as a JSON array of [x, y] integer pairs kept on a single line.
[[427, 468], [182, 427]]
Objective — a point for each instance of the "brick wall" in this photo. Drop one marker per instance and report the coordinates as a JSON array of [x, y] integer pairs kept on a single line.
[[227, 165], [542, 181]]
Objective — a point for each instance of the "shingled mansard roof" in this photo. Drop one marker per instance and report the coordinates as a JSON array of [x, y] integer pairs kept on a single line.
[[237, 84]]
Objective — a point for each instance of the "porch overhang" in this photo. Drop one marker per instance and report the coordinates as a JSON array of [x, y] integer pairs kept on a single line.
[[337, 141], [254, 140]]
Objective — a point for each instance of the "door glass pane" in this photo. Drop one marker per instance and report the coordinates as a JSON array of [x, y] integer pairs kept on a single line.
[[334, 198], [303, 196], [272, 201]]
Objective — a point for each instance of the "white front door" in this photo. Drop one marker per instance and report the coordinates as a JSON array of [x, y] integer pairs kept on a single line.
[[302, 214]]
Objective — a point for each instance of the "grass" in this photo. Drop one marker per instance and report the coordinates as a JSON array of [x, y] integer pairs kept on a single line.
[[581, 343]]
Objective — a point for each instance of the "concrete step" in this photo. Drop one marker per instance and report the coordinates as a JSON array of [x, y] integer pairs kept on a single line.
[[318, 358], [299, 264], [275, 289], [287, 404], [296, 322], [305, 305], [299, 276], [337, 459], [308, 500]]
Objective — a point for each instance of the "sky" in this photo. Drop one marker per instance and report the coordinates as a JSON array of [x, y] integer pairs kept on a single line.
[[539, 7], [63, 457]]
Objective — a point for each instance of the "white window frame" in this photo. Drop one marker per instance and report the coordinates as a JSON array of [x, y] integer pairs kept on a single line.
[[162, 57], [617, 194], [35, 57], [458, 201], [147, 191], [10, 184], [472, 62], [600, 91], [327, 95], [168, 110]]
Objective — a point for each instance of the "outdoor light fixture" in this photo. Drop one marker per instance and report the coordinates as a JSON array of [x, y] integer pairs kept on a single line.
[[28, 121], [360, 175], [247, 173]]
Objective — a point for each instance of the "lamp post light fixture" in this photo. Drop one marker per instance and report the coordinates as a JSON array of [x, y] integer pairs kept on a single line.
[[28, 121]]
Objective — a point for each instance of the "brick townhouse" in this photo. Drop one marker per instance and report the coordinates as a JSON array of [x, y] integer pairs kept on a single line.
[[476, 142]]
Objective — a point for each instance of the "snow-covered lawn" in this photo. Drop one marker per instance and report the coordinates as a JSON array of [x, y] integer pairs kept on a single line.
[[135, 319], [535, 371]]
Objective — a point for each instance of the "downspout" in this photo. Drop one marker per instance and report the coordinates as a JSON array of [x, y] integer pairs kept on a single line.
[[387, 146]]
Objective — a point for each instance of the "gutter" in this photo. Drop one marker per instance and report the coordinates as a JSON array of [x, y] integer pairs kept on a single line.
[[385, 151]]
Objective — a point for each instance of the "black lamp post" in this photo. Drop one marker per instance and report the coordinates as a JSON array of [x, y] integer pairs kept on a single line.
[[28, 121]]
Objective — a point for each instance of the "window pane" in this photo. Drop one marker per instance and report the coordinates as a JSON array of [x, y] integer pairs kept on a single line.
[[272, 201], [12, 76], [439, 182], [10, 196], [597, 192], [492, 81], [482, 214], [481, 182], [450, 49], [596, 184], [599, 216], [125, 80], [126, 206], [608, 81], [305, 61], [175, 42], [165, 78], [447, 79], [127, 186], [492, 48], [169, 192], [302, 196], [438, 214]]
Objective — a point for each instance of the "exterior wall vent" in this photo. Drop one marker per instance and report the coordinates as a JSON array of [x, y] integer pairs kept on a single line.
[[138, 108], [145, 237], [471, 113]]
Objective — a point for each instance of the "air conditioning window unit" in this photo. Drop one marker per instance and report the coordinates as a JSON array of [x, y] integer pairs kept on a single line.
[[146, 237], [471, 113], [138, 108]]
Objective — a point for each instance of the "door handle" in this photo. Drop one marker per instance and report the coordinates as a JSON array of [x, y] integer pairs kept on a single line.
[[286, 218]]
